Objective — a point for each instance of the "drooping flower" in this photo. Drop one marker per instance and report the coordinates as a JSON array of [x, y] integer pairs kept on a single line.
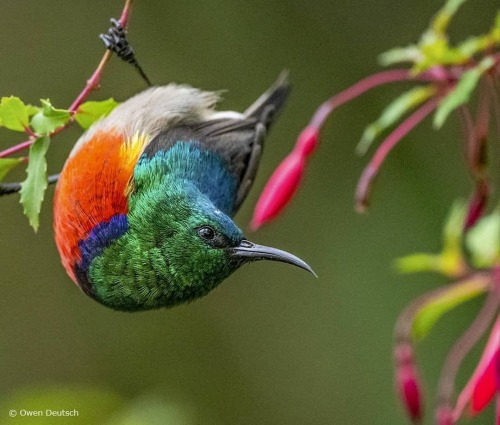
[[450, 75]]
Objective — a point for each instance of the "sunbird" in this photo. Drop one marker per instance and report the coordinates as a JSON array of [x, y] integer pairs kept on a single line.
[[144, 203]]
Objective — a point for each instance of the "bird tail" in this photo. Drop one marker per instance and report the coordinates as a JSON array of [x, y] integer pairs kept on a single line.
[[269, 104]]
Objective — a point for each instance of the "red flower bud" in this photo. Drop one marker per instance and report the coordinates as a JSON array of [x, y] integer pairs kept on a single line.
[[279, 189], [307, 141], [485, 386], [475, 393], [477, 204], [408, 382]]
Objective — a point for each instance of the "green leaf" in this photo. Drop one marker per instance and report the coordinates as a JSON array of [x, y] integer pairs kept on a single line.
[[443, 18], [32, 110], [33, 188], [7, 164], [483, 241], [14, 114], [430, 313], [419, 262], [462, 91], [393, 113], [453, 228], [49, 118], [90, 112], [474, 45], [450, 261], [495, 31], [400, 54]]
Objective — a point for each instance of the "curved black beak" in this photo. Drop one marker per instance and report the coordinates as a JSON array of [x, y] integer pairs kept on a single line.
[[248, 251]]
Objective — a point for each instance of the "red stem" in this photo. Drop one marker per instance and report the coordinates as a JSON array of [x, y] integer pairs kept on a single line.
[[19, 147], [467, 125], [93, 81], [466, 394], [477, 147], [404, 323], [370, 172], [368, 83], [494, 89], [462, 347], [92, 84]]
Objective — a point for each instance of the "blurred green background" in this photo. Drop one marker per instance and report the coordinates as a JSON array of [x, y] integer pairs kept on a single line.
[[271, 345]]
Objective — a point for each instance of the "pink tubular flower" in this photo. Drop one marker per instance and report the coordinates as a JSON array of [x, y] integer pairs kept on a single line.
[[481, 387], [487, 381], [283, 183], [279, 190], [307, 141], [477, 204], [285, 180], [408, 381], [486, 386]]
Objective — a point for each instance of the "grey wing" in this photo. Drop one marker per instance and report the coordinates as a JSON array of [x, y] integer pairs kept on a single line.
[[240, 141]]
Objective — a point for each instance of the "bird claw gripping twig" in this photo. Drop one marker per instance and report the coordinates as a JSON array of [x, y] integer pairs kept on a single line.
[[15, 187], [116, 41]]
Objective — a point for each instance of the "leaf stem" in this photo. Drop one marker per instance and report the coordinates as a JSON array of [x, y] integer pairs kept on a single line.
[[92, 84], [368, 83], [404, 323]]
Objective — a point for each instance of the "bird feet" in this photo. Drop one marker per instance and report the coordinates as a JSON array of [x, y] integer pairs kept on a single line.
[[116, 41]]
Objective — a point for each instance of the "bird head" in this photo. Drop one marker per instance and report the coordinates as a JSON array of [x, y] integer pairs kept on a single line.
[[184, 241]]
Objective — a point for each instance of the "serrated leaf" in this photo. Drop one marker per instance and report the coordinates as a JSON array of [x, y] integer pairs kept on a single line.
[[430, 313], [7, 164], [462, 91], [392, 114], [14, 114], [92, 111], [33, 188], [49, 118], [32, 110], [483, 241]]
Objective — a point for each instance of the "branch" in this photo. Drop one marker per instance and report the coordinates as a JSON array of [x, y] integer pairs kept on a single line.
[[92, 84]]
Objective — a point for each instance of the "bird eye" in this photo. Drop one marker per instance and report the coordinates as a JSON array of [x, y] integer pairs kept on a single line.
[[206, 232]]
